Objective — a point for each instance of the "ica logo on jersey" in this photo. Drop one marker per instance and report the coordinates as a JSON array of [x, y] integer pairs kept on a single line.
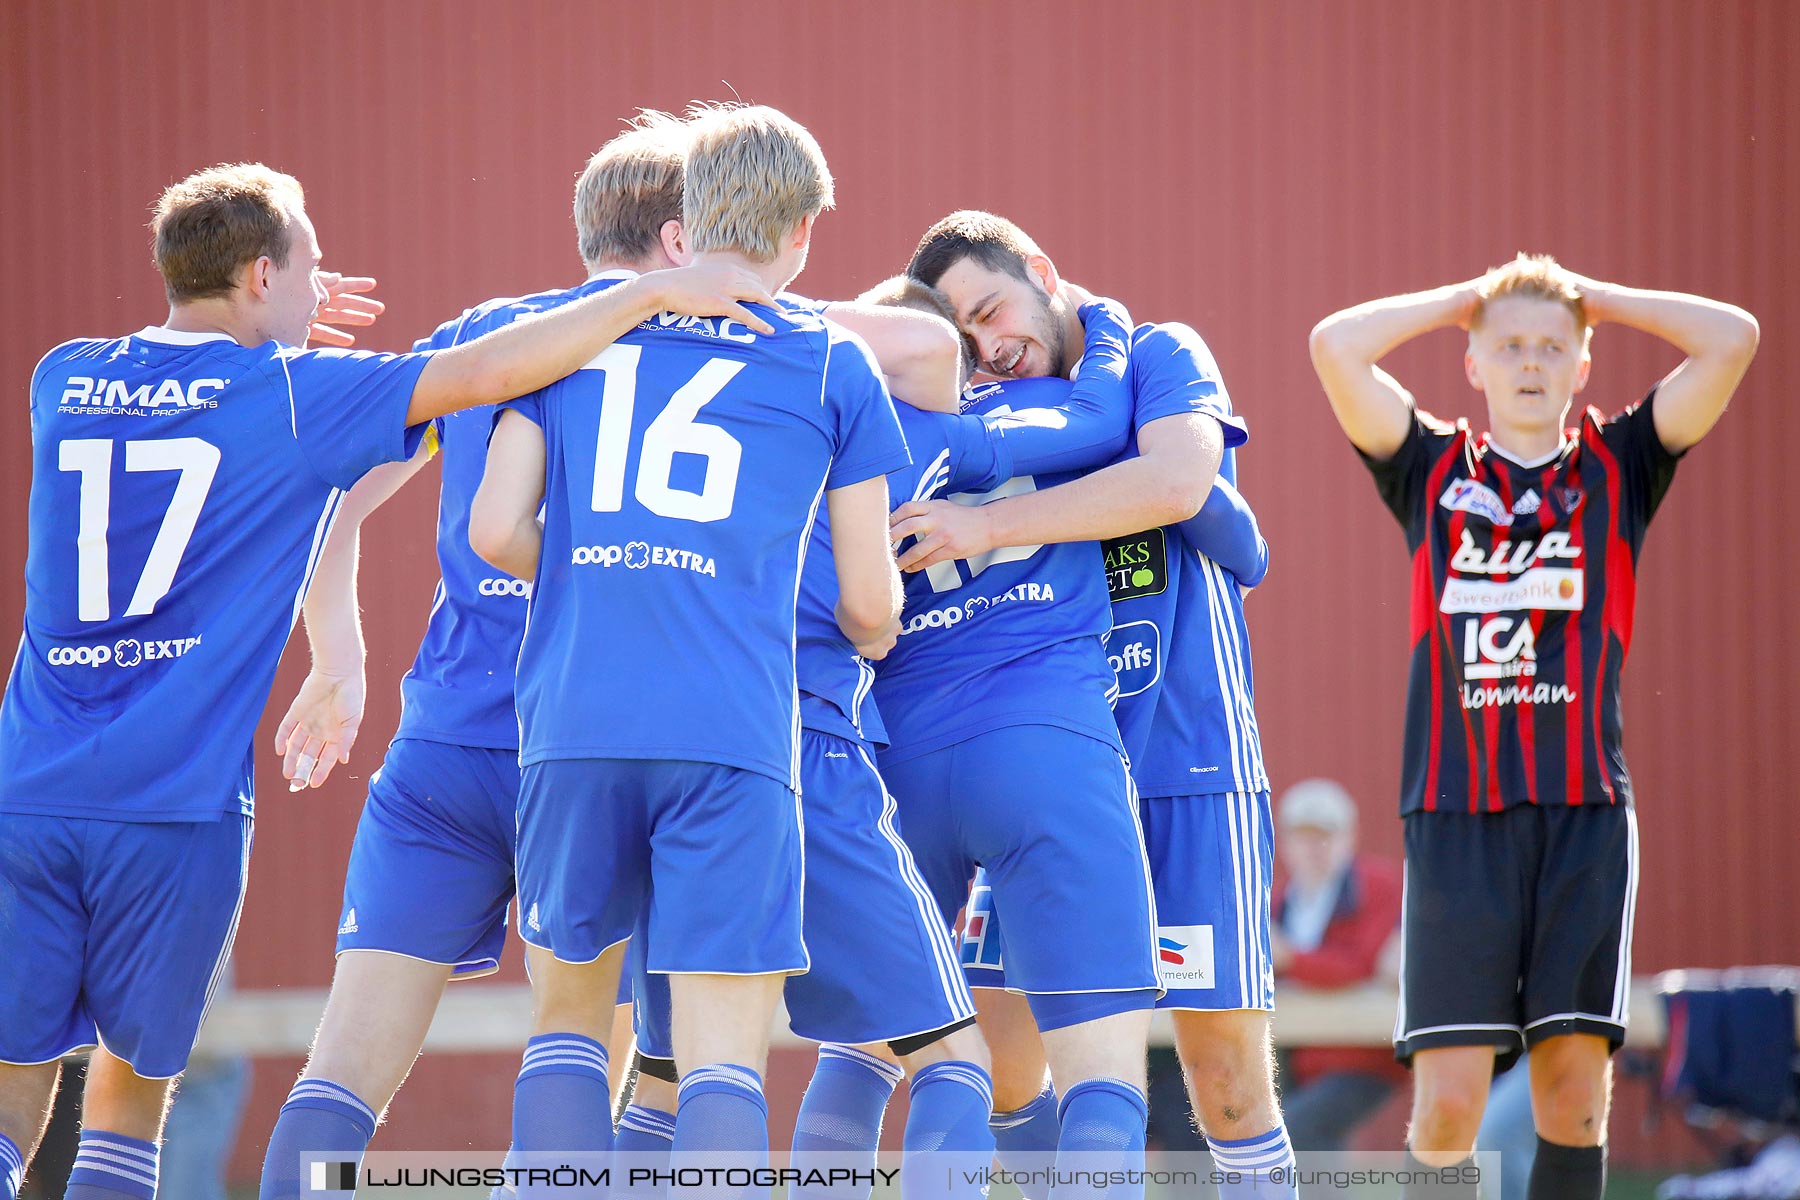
[[1498, 648]]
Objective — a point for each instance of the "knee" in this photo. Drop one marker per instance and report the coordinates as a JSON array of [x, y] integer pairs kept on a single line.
[[1229, 1105], [1446, 1117], [1014, 1087], [1571, 1107], [1230, 1073]]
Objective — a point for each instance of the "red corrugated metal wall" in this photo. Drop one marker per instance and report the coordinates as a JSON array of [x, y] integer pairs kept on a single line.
[[1245, 168]]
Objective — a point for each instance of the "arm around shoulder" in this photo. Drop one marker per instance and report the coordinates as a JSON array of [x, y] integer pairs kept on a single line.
[[503, 524], [869, 594]]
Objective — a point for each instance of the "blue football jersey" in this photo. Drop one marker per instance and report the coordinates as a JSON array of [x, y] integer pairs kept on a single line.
[[1048, 427], [1015, 636], [182, 488], [836, 683], [1178, 645], [685, 465], [459, 689]]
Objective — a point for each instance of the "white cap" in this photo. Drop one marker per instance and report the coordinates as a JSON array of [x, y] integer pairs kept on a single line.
[[1318, 804]]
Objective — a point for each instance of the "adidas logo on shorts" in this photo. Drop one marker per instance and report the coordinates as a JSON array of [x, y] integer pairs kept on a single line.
[[349, 925], [531, 919]]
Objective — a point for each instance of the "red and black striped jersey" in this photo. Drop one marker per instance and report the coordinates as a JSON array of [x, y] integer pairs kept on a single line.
[[1523, 582]]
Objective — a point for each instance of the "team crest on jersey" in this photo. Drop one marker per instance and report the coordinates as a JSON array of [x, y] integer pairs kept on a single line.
[[1466, 495]]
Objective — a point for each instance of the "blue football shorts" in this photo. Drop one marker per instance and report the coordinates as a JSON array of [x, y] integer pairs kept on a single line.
[[116, 934], [884, 966], [710, 855], [1050, 815], [431, 869], [1211, 862]]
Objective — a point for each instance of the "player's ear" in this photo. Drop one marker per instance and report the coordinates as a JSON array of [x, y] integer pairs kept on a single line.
[[1044, 272], [1587, 363], [255, 277], [1470, 370], [803, 231], [674, 243]]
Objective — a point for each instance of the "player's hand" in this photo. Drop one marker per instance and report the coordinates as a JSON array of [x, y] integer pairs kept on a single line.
[[1594, 296], [878, 649], [319, 728], [1468, 299], [945, 531], [713, 290], [344, 305]]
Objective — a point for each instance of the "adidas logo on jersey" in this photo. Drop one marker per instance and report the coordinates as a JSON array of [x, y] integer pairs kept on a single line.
[[349, 925], [1527, 504]]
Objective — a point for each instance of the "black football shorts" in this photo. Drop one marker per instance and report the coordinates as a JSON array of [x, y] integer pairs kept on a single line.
[[1517, 927]]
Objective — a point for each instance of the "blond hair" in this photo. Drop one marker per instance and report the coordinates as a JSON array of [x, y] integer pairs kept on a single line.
[[753, 174], [903, 291], [208, 226], [630, 188], [1536, 277]]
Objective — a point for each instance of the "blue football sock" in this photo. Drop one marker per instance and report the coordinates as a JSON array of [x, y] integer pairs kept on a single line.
[[1103, 1124], [111, 1166], [1253, 1158], [844, 1103], [12, 1168], [1025, 1141], [721, 1120], [839, 1124], [947, 1119], [645, 1137], [319, 1117], [562, 1106]]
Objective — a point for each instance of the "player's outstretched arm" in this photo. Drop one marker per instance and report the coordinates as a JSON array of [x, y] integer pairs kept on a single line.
[[1226, 531], [344, 304], [869, 591], [921, 355], [503, 523], [1370, 404], [321, 724], [1178, 458], [1719, 341], [1088, 428], [536, 351]]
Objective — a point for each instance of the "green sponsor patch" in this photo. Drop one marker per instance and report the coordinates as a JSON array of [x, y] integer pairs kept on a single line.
[[1136, 565]]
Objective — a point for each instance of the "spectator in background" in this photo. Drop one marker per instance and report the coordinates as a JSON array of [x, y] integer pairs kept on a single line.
[[1334, 922]]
